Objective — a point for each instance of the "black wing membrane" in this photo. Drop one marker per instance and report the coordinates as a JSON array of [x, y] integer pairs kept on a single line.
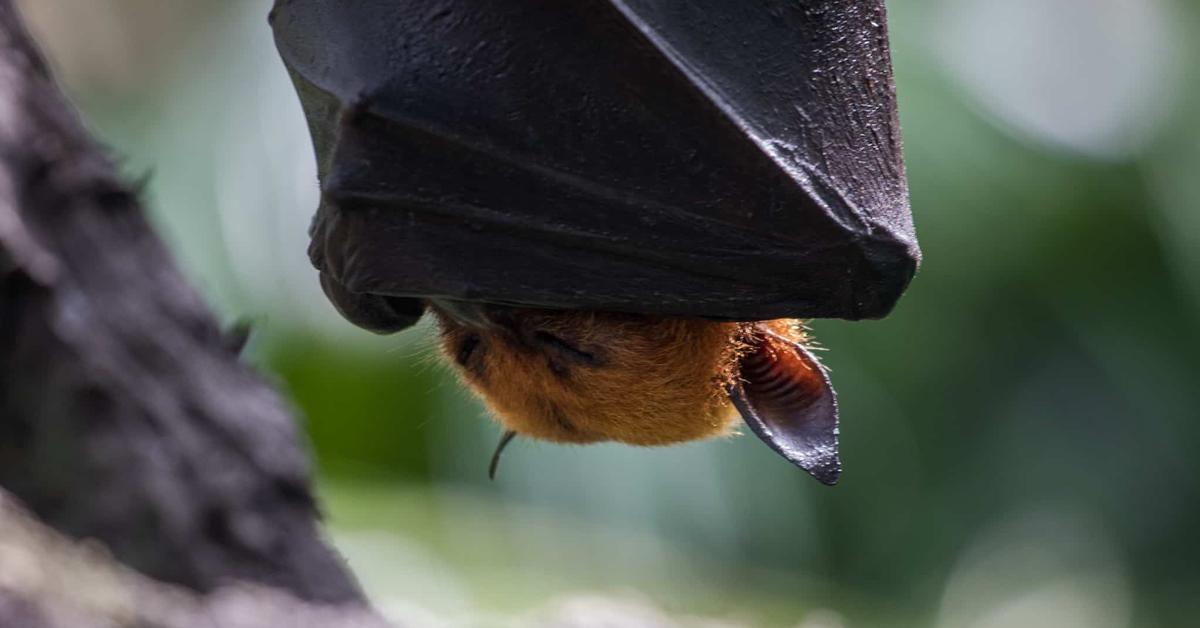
[[732, 160]]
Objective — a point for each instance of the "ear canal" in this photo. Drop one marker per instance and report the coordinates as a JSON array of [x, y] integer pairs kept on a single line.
[[784, 395]]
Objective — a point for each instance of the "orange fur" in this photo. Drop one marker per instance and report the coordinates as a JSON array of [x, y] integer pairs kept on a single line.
[[651, 380]]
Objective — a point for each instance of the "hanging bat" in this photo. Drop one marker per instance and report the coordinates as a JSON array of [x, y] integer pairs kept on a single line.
[[618, 210]]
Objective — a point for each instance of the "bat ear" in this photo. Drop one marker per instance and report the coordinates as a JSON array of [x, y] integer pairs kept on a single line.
[[785, 397]]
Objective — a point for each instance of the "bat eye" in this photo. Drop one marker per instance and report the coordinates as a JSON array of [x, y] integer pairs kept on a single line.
[[467, 349], [562, 348]]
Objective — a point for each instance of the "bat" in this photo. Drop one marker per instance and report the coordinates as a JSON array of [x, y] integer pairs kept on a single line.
[[584, 377], [617, 210]]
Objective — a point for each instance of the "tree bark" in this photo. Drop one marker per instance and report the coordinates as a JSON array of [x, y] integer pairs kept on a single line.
[[126, 415], [48, 581]]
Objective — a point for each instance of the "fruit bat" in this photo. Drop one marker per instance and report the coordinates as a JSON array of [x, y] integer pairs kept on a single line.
[[618, 210]]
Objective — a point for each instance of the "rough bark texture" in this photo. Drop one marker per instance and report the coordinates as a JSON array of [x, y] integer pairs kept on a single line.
[[125, 414], [49, 581]]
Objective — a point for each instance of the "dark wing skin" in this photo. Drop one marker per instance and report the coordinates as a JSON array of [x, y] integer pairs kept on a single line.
[[732, 160]]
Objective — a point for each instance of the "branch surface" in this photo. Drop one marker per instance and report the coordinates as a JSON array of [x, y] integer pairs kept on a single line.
[[125, 414]]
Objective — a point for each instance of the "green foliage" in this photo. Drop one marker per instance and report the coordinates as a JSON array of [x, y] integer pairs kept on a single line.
[[359, 407]]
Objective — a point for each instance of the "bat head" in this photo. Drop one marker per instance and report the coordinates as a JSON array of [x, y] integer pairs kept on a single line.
[[584, 377]]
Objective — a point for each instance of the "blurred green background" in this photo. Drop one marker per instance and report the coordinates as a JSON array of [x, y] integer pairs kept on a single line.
[[1020, 437]]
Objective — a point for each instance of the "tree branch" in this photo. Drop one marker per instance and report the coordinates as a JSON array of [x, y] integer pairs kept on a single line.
[[48, 581], [125, 415]]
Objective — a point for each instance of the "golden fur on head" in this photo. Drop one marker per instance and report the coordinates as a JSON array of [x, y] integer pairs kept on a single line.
[[584, 377]]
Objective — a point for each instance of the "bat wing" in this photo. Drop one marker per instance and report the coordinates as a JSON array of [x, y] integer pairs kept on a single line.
[[732, 160]]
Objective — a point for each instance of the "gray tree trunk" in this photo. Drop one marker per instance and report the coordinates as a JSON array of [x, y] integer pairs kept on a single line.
[[126, 416]]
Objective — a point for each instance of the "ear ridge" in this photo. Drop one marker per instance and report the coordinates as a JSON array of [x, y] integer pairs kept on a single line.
[[784, 395]]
